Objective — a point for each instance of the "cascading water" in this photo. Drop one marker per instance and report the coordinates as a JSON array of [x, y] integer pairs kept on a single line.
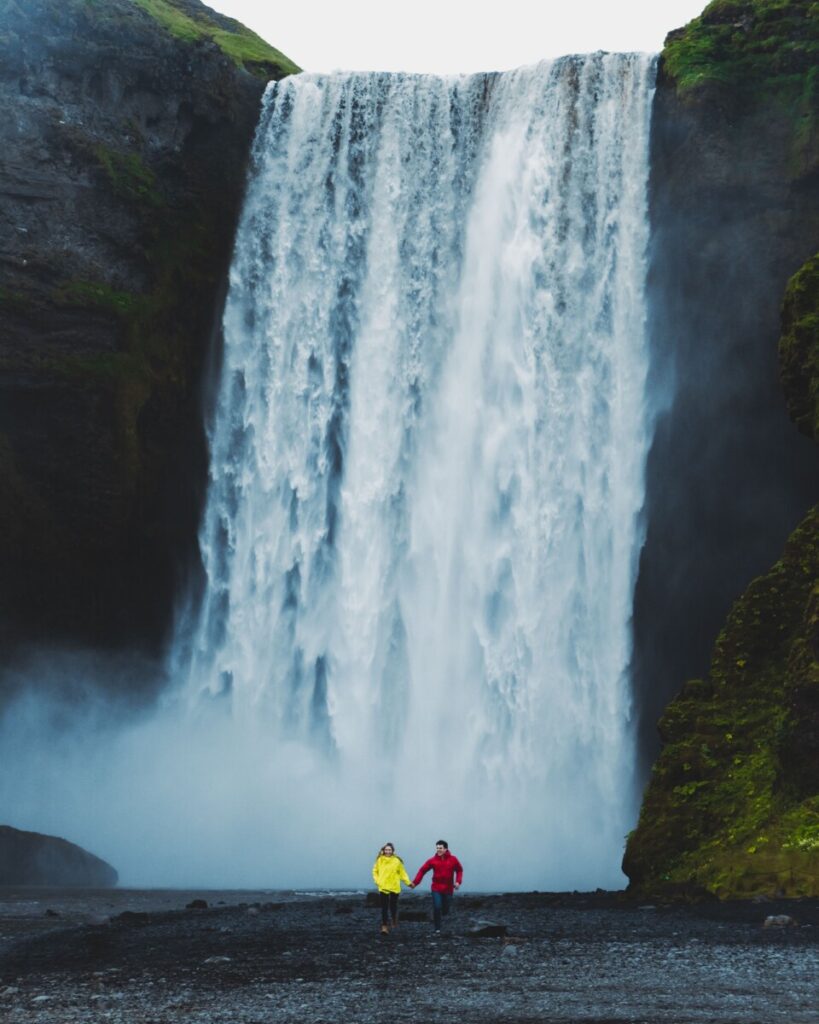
[[423, 522]]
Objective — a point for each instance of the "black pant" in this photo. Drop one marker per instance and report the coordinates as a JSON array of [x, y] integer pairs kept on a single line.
[[441, 902], [389, 907]]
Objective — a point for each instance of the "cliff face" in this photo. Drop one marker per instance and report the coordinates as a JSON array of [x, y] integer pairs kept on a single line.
[[734, 204], [124, 145], [732, 806]]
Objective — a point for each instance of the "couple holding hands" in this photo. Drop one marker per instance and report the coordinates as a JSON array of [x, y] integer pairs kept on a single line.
[[389, 872]]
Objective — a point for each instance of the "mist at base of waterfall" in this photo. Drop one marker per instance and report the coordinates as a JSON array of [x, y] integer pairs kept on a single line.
[[175, 803]]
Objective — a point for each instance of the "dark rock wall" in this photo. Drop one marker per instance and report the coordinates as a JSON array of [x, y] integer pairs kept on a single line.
[[124, 153], [734, 201]]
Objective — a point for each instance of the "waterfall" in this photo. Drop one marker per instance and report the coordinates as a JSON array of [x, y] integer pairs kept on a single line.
[[427, 456]]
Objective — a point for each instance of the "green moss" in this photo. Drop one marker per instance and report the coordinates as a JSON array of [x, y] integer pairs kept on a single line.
[[97, 294], [128, 175], [725, 810], [244, 47], [799, 348], [759, 47], [757, 55]]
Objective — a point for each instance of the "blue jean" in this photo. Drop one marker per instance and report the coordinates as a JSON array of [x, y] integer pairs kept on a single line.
[[440, 907]]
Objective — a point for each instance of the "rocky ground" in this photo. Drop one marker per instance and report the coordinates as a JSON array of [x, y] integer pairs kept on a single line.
[[146, 958]]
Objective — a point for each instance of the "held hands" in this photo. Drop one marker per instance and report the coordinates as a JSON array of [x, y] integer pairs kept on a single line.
[[457, 885]]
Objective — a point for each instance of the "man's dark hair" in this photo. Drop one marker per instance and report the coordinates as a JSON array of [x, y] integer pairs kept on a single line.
[[444, 843]]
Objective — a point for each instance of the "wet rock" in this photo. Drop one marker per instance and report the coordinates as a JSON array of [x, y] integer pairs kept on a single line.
[[780, 921], [197, 905]]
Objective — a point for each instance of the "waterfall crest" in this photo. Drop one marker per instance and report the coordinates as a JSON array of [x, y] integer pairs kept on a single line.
[[427, 455]]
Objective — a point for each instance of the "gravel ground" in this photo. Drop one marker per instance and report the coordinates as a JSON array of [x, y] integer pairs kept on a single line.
[[251, 958]]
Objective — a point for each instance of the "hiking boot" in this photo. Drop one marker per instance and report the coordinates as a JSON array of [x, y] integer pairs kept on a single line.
[[384, 930]]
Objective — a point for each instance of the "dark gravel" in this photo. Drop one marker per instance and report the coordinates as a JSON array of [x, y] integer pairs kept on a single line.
[[320, 958]]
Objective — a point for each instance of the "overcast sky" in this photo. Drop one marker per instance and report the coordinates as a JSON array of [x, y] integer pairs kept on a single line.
[[450, 36]]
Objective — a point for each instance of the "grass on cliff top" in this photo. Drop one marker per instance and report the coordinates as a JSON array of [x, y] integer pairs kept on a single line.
[[755, 46], [194, 22]]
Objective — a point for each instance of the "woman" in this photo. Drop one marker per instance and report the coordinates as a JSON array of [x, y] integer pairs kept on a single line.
[[388, 874]]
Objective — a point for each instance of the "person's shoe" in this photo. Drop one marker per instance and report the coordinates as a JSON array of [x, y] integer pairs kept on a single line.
[[395, 923], [384, 930]]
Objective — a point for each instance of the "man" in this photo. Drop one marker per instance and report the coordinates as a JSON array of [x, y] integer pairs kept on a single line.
[[447, 875]]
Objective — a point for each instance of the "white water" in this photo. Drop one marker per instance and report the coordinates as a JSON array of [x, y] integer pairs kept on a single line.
[[423, 523], [427, 464]]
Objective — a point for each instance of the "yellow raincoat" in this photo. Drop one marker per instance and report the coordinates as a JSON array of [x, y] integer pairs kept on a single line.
[[389, 873]]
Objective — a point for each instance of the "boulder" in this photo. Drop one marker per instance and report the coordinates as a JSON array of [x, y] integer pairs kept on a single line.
[[28, 858]]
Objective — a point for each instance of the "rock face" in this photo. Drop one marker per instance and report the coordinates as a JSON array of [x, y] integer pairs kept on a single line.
[[125, 141], [28, 858], [734, 205], [732, 806], [733, 802]]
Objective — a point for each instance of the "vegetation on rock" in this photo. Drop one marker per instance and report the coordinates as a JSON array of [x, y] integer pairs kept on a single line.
[[799, 348], [755, 52], [757, 46]]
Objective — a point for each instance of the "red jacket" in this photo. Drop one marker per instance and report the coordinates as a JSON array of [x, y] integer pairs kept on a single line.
[[443, 870]]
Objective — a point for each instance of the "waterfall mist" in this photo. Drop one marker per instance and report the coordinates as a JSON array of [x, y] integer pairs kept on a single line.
[[423, 523]]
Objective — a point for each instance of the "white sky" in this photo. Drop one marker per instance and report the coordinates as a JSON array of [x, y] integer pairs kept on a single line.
[[453, 36]]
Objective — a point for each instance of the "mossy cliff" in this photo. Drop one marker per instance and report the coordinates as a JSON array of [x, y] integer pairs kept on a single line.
[[753, 54], [125, 145], [732, 806], [734, 207], [799, 348]]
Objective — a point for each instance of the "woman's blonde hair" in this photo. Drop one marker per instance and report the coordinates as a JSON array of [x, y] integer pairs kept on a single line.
[[384, 847]]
